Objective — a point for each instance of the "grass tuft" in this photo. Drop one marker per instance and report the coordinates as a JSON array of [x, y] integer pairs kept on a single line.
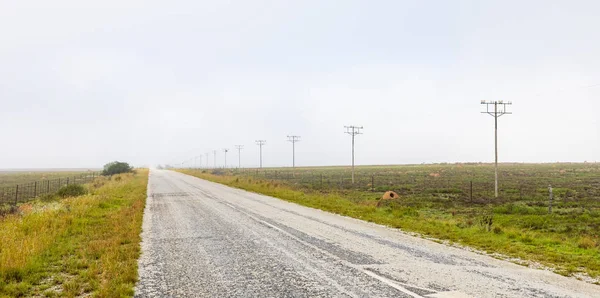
[[72, 190]]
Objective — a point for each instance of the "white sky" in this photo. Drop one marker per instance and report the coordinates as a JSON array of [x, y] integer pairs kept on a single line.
[[149, 82]]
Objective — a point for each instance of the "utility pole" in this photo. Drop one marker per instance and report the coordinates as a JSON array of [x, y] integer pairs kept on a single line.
[[196, 163], [207, 153], [239, 148], [353, 131], [293, 140], [215, 158], [500, 108], [225, 150], [260, 143]]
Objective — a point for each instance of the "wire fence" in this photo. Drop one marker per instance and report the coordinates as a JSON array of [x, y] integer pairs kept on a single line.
[[465, 188], [24, 192]]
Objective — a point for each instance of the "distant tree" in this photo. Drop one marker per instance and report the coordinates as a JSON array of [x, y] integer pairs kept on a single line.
[[116, 167]]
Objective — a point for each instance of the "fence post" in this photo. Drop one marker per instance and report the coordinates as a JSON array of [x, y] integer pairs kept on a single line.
[[48, 186], [17, 195], [372, 183], [471, 196], [550, 199], [321, 180], [35, 189], [67, 181]]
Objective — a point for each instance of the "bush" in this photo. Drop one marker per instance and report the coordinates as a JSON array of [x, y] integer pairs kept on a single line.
[[72, 190], [586, 242], [48, 198], [486, 222], [116, 167], [218, 172]]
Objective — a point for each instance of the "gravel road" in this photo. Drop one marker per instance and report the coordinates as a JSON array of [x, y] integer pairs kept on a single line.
[[202, 239]]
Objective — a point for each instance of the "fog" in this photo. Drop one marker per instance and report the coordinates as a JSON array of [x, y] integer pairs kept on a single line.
[[151, 82]]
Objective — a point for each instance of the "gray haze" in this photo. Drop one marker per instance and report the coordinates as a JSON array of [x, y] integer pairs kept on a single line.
[[153, 82]]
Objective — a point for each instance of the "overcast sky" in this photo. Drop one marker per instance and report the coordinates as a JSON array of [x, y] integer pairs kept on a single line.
[[150, 82]]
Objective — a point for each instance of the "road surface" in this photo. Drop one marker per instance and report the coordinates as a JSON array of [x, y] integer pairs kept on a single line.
[[202, 239]]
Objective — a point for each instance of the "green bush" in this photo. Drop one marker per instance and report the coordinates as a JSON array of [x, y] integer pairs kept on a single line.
[[48, 198], [116, 167], [72, 190], [486, 222]]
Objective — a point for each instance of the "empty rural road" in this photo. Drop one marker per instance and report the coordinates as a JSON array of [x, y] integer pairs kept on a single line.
[[202, 239]]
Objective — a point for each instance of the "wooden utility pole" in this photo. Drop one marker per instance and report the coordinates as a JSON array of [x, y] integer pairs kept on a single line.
[[239, 148], [353, 131], [293, 140], [260, 144], [500, 108]]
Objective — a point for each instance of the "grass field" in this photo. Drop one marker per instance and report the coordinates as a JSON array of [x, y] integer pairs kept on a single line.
[[11, 178], [438, 201], [78, 246]]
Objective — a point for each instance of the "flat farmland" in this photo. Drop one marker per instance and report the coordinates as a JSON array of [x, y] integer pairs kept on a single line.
[[456, 203], [11, 178], [470, 183]]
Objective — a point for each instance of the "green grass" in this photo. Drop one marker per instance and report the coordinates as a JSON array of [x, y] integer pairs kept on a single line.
[[85, 245], [516, 225]]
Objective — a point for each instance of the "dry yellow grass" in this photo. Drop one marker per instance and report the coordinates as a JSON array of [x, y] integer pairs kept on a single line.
[[76, 246]]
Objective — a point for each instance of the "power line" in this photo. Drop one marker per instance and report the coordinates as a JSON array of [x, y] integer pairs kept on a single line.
[[500, 108], [260, 143], [293, 140], [353, 131], [239, 148]]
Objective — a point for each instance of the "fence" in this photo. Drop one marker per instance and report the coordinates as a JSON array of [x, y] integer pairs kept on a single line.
[[24, 192], [465, 188]]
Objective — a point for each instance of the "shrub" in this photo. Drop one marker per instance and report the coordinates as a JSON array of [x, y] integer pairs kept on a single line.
[[48, 198], [72, 190], [116, 167], [486, 222], [218, 172], [586, 242]]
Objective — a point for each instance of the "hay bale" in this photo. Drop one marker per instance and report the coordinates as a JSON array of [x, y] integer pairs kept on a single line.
[[390, 195]]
